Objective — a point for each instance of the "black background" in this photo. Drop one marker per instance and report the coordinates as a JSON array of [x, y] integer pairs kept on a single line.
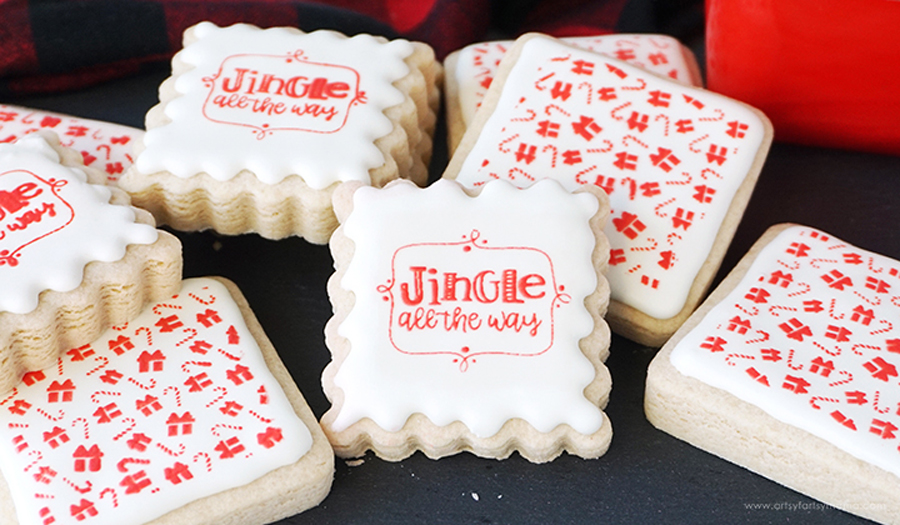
[[647, 476]]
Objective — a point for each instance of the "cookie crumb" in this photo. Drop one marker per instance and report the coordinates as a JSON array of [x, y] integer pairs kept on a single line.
[[475, 496], [354, 462]]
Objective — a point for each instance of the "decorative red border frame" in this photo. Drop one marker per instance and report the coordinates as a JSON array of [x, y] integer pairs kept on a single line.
[[7, 257], [264, 131], [468, 242]]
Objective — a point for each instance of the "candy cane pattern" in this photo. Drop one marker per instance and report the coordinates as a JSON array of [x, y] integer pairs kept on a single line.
[[113, 495], [163, 306], [193, 333], [531, 116], [85, 426], [169, 451], [79, 489], [210, 299], [131, 424], [206, 461], [103, 362], [177, 392], [147, 331], [150, 386], [123, 463], [112, 141], [660, 54], [14, 393], [215, 429], [131, 421], [842, 368]]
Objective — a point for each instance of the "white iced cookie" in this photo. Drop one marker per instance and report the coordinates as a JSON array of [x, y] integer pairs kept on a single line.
[[678, 163], [789, 370], [183, 415], [470, 71], [461, 325], [256, 126], [74, 257], [103, 145]]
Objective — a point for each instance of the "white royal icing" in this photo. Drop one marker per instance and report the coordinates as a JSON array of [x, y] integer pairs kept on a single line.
[[463, 368], [179, 404], [103, 145], [278, 103], [477, 64], [670, 157], [811, 336], [53, 223]]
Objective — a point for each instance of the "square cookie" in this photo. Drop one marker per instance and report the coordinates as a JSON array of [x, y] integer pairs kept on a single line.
[[789, 369], [470, 71], [461, 326], [679, 165], [103, 145], [75, 258], [184, 415], [256, 127]]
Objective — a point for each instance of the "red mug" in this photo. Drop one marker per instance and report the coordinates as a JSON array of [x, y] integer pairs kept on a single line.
[[826, 72]]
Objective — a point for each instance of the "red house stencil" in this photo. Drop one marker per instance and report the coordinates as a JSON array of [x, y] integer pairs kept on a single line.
[[87, 458], [148, 361]]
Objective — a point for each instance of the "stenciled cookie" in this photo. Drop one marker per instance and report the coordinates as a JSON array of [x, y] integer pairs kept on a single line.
[[679, 165], [461, 324], [790, 369], [256, 127], [183, 415], [75, 258], [103, 145], [470, 71]]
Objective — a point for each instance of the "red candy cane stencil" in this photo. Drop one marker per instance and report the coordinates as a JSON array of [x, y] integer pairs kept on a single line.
[[83, 135], [118, 410], [840, 373], [663, 55]]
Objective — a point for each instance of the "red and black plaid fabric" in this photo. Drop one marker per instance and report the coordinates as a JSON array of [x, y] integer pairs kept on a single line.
[[55, 45]]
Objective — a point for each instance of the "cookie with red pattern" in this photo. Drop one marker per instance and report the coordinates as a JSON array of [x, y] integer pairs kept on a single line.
[[789, 369], [75, 258], [256, 127], [461, 325], [103, 145], [679, 165], [183, 415], [470, 70]]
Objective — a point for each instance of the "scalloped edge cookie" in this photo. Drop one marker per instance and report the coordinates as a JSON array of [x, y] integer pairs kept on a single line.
[[421, 434], [244, 204]]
